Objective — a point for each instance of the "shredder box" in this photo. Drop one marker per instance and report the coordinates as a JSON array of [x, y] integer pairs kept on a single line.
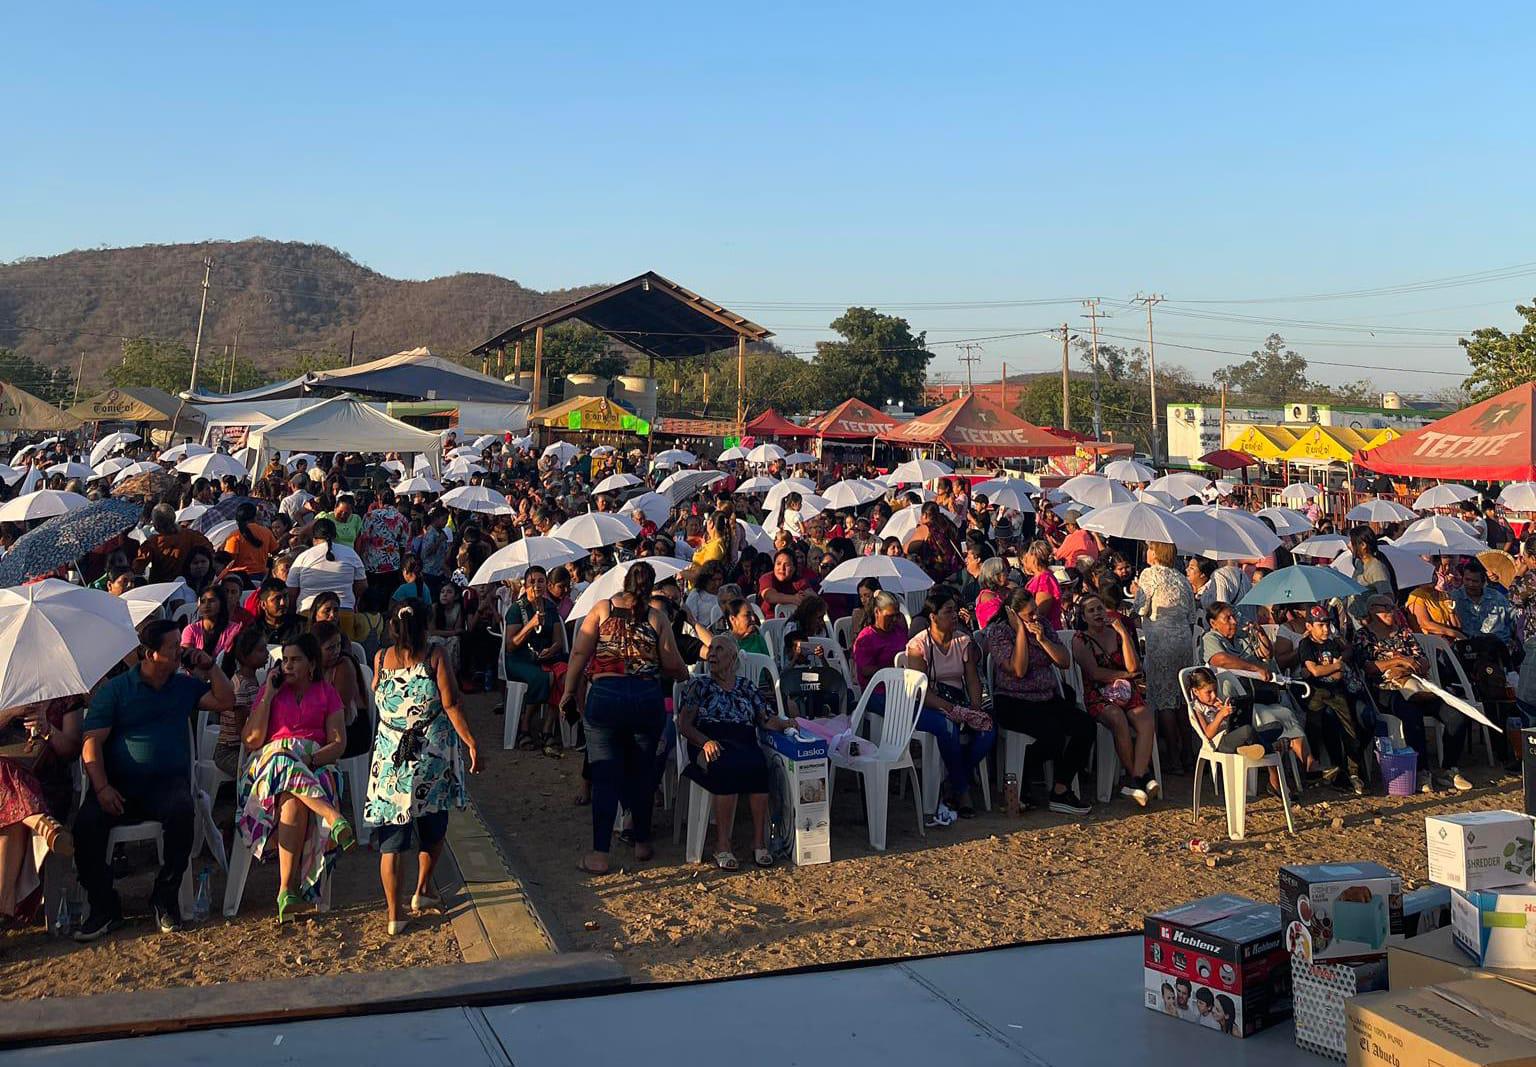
[[1217, 952], [1480, 849]]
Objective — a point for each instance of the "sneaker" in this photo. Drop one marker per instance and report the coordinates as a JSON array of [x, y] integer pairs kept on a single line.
[[1151, 786], [1425, 782], [1460, 781], [941, 817], [1069, 803], [1357, 785], [98, 926], [168, 918], [1136, 793]]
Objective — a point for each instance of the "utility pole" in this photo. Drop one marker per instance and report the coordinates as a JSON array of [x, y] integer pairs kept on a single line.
[[80, 374], [1066, 392], [1151, 300], [351, 349], [224, 371], [1093, 317], [197, 347], [1004, 398], [1221, 441], [970, 359]]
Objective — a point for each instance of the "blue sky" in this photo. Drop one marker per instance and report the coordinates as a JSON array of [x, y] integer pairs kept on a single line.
[[791, 159]]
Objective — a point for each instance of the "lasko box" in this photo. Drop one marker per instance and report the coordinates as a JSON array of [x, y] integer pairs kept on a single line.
[[804, 760], [1480, 849], [1496, 927], [1218, 963], [1337, 911]]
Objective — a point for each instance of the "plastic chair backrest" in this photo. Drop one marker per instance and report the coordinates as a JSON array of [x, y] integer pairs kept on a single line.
[[904, 694], [1189, 707], [752, 666], [761, 618], [842, 632], [783, 611], [835, 657], [1438, 651], [773, 637]]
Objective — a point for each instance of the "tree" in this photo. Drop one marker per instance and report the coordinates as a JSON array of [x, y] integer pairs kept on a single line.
[[311, 363], [878, 360], [576, 348], [53, 384], [1501, 360], [1271, 374], [164, 365]]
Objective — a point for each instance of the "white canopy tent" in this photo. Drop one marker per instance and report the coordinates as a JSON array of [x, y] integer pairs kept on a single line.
[[344, 423]]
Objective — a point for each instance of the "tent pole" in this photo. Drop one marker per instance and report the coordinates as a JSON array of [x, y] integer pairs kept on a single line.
[[538, 365]]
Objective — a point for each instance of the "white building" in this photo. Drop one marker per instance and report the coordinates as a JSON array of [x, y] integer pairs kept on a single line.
[[1195, 429]]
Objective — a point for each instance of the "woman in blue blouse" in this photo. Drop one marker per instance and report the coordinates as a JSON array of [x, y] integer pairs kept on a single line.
[[719, 718]]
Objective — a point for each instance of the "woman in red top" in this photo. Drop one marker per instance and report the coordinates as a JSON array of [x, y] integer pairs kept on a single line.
[[297, 730]]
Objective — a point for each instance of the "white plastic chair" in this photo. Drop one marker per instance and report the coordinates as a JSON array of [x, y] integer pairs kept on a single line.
[[783, 611], [354, 770], [1106, 769], [701, 810], [842, 633], [1234, 772], [836, 658], [154, 830], [773, 637], [753, 665], [240, 872], [933, 764], [1015, 744], [904, 693], [1438, 651]]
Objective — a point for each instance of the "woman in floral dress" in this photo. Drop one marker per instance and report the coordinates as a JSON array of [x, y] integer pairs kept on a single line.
[[417, 772], [1166, 603]]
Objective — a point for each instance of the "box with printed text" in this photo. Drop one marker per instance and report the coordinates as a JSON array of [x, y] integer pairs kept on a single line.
[[1340, 911], [1480, 849], [1219, 963]]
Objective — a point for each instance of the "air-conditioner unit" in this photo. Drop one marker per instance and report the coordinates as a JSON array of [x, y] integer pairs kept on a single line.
[[1303, 413], [1187, 415]]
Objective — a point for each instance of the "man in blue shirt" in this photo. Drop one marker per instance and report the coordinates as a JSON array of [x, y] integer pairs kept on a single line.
[[1481, 608], [137, 756]]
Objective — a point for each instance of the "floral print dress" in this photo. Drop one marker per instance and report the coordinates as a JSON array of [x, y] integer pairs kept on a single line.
[[1166, 603], [417, 762]]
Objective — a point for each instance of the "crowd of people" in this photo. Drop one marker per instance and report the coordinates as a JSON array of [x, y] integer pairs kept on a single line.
[[341, 618]]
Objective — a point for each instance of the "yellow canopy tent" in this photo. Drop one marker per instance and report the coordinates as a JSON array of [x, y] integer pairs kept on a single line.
[[139, 403], [1264, 443], [1383, 436], [585, 413], [20, 410], [1326, 444]]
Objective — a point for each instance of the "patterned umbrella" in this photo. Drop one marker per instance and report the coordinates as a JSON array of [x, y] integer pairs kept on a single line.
[[224, 511], [65, 539], [148, 484]]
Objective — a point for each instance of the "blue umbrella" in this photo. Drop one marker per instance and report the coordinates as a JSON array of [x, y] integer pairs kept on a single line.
[[65, 539], [1301, 584]]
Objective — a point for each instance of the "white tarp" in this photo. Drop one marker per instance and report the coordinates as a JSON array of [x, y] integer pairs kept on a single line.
[[344, 423], [498, 419]]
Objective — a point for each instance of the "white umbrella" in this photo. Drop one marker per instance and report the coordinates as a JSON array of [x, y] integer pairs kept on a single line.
[[563, 451], [1519, 496], [419, 483], [459, 470], [765, 453], [761, 484], [1287, 522], [1439, 541], [292, 461], [104, 447], [467, 451], [784, 488], [919, 493], [1447, 523], [108, 467], [191, 513], [851, 493], [512, 561], [896, 574], [485, 440], [597, 528], [674, 457], [799, 459], [1299, 492], [1181, 484], [1224, 486], [58, 640], [524, 443], [994, 485], [811, 505], [1009, 497], [42, 504], [917, 471], [1447, 495], [1411, 570], [221, 532], [177, 453], [655, 507], [10, 475], [1158, 497], [70, 470], [394, 466], [133, 470], [1139, 521], [474, 498], [421, 465], [734, 454], [900, 525], [616, 482], [604, 450], [212, 465], [1324, 546], [611, 582], [756, 536], [143, 601], [1128, 470], [1256, 539], [1379, 510], [683, 484], [1096, 491]]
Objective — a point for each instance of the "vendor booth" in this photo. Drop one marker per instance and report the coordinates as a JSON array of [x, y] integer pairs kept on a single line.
[[343, 424], [974, 428], [1490, 441], [21, 411]]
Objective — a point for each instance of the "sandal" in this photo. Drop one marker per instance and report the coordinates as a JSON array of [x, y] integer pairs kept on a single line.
[[726, 861], [56, 839], [553, 751], [287, 901], [644, 851], [582, 800], [342, 836], [762, 857], [581, 865]]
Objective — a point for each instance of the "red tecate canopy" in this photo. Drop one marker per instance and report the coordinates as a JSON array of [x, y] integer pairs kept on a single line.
[[1228, 459], [971, 426], [1492, 441], [771, 424], [852, 420]]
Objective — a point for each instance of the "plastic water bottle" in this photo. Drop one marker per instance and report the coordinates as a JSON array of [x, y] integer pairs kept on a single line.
[[64, 922], [200, 901]]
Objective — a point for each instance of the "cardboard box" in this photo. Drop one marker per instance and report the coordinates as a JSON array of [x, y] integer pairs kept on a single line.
[[803, 760], [1480, 849], [1219, 963], [1435, 959], [1340, 911], [1318, 995], [1460, 1024], [1496, 927]]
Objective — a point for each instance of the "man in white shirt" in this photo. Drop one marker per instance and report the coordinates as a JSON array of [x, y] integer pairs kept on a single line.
[[292, 505]]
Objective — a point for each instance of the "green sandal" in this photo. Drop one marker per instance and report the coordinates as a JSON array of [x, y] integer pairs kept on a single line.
[[342, 835], [287, 901]]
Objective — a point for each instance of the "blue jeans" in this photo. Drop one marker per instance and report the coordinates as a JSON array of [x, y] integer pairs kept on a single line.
[[625, 717], [1413, 713], [960, 759]]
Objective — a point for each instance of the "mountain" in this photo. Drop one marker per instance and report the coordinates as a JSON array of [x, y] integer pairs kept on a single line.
[[275, 300]]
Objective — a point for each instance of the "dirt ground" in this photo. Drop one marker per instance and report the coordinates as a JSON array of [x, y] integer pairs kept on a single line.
[[349, 938], [990, 881]]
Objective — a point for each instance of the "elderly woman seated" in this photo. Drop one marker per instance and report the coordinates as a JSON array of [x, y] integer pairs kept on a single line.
[[718, 717], [38, 742]]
